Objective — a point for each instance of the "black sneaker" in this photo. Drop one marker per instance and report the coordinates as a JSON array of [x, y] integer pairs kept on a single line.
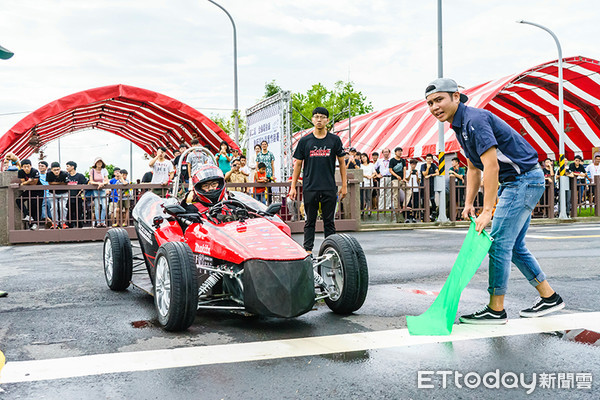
[[543, 306], [485, 316]]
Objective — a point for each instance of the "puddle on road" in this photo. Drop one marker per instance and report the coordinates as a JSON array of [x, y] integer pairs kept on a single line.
[[145, 324], [348, 357], [583, 336]]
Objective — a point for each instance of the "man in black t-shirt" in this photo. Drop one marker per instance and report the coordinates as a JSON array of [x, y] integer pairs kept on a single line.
[[58, 198], [397, 167], [183, 174], [33, 198], [577, 169], [147, 177], [75, 200], [317, 153], [428, 171]]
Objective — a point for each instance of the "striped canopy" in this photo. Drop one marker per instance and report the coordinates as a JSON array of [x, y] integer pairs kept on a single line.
[[527, 101], [146, 118]]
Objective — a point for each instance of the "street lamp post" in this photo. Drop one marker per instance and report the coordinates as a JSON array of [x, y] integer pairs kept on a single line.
[[564, 181], [235, 77], [442, 217]]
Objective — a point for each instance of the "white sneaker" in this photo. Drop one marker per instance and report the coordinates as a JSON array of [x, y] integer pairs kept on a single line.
[[33, 227], [27, 218]]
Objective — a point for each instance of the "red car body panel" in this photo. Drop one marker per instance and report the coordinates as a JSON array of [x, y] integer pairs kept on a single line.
[[240, 241]]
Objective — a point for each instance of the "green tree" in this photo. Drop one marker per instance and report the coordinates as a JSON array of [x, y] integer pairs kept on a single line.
[[109, 167], [335, 100], [228, 125], [271, 88]]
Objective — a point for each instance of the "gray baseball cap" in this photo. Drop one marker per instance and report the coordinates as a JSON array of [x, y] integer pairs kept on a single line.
[[444, 85]]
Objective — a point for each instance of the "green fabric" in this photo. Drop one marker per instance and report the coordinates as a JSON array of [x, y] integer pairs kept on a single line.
[[439, 318]]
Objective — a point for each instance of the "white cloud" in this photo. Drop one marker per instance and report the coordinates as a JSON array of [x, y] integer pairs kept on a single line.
[[183, 48]]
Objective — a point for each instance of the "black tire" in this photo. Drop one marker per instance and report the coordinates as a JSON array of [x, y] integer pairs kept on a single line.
[[177, 306], [118, 259], [350, 263], [363, 271]]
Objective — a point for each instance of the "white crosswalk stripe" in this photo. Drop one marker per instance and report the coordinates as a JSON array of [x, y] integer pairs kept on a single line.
[[62, 368]]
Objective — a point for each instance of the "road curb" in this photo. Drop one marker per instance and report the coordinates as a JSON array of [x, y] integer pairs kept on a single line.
[[464, 224]]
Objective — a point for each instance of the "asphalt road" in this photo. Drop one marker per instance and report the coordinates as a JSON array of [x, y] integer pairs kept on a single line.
[[60, 307]]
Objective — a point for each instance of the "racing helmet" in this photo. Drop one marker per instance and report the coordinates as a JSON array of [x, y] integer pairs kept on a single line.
[[206, 173]]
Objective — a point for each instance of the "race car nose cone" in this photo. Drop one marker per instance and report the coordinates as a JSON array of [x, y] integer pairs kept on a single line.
[[279, 288]]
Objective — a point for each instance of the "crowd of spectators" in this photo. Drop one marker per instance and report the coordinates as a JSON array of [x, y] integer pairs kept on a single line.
[[397, 183], [389, 183]]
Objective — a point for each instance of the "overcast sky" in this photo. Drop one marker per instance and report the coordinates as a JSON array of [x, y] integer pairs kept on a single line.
[[183, 49]]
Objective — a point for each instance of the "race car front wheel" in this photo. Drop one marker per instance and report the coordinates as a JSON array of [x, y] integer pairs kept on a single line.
[[175, 286], [345, 271], [118, 259]]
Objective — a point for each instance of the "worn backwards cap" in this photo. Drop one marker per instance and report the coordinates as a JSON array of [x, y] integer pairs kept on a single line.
[[444, 85], [321, 110]]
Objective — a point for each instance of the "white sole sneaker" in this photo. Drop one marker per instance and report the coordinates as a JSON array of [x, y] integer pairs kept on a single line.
[[525, 314], [483, 321]]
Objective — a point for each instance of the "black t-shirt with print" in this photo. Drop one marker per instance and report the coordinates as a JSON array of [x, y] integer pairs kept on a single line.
[[398, 167], [33, 174], [77, 179], [574, 168], [432, 170], [184, 174], [61, 179], [319, 156]]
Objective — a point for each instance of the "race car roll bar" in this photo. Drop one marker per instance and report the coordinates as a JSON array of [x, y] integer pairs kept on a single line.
[[183, 157]]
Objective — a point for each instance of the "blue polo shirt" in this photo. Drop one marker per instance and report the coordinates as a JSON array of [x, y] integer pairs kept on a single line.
[[478, 130]]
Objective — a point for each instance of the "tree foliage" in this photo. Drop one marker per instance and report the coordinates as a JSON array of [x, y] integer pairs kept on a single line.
[[109, 167], [335, 100], [228, 125], [271, 88]]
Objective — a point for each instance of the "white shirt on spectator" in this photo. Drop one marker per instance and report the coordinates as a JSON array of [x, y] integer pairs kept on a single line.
[[368, 170], [384, 166], [413, 180], [161, 169], [592, 170]]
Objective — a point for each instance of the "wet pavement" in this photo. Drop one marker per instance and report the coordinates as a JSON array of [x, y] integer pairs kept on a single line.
[[60, 307]]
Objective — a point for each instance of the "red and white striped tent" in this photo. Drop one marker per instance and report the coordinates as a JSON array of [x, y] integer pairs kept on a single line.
[[146, 118], [527, 101]]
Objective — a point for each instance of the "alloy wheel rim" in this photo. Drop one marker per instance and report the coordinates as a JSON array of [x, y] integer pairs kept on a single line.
[[163, 286], [332, 273], [108, 260]]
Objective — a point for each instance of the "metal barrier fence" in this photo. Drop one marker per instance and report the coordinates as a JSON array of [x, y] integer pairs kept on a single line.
[[67, 213], [79, 213], [391, 201]]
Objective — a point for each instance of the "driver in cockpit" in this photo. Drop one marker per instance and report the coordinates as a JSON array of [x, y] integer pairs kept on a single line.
[[209, 188]]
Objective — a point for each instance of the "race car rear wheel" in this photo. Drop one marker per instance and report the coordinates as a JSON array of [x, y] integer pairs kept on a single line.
[[346, 271], [175, 286], [118, 259]]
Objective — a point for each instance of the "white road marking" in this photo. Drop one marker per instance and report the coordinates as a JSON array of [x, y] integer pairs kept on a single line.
[[561, 237], [578, 229], [70, 367]]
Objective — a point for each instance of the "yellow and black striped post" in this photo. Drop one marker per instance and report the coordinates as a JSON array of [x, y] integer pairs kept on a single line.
[[561, 165], [442, 166]]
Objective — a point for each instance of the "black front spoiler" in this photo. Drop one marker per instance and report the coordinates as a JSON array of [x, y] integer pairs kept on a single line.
[[279, 288]]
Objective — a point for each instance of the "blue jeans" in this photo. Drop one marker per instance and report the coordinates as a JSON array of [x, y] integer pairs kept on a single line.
[[260, 197], [100, 198], [516, 201]]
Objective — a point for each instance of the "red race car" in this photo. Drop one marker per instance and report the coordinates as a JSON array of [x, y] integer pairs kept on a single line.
[[225, 250]]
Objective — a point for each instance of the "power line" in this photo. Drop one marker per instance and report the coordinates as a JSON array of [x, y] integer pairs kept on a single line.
[[197, 108]]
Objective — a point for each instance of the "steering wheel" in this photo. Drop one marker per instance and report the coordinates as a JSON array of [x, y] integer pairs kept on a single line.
[[238, 210]]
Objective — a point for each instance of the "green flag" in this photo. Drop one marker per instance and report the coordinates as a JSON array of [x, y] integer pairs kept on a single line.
[[5, 54], [439, 318]]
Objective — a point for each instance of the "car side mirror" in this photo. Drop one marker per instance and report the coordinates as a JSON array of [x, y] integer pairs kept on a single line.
[[174, 209], [273, 209]]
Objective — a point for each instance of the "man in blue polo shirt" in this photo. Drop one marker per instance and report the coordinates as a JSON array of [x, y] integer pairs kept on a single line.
[[493, 147]]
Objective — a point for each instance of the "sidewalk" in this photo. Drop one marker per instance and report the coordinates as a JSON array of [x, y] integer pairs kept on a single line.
[[465, 224]]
